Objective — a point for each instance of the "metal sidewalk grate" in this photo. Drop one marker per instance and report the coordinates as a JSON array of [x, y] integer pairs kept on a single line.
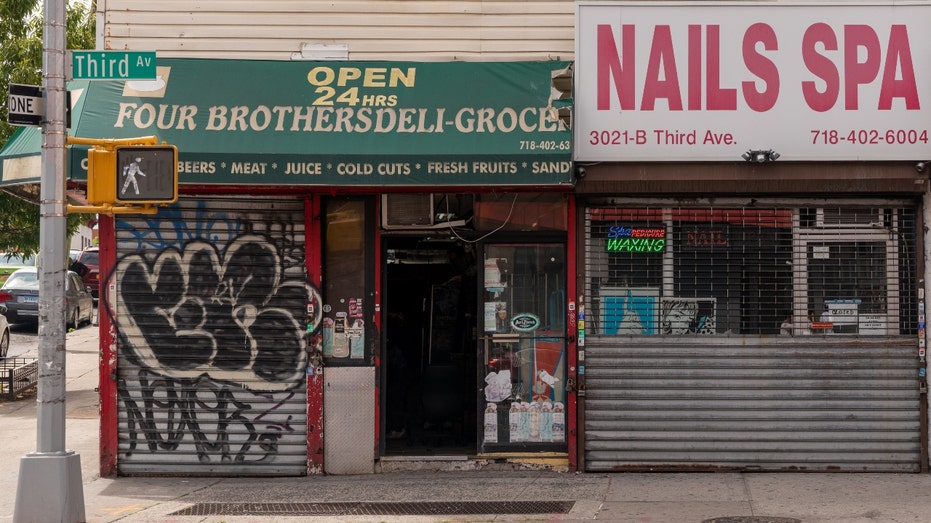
[[420, 508], [751, 519]]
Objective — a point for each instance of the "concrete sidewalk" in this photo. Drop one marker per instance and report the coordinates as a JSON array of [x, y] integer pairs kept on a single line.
[[618, 497]]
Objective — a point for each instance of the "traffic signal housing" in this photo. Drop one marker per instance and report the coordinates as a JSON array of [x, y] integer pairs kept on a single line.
[[132, 174], [146, 174]]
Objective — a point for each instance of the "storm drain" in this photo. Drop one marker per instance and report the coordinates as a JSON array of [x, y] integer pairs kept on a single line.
[[751, 519], [420, 508]]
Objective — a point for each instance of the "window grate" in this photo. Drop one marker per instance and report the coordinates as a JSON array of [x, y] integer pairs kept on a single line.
[[750, 271]]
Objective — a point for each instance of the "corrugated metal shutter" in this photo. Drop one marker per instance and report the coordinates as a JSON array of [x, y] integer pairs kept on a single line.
[[779, 335], [210, 302], [784, 405]]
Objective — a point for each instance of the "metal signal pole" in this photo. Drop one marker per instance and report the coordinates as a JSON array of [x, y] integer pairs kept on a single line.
[[50, 486]]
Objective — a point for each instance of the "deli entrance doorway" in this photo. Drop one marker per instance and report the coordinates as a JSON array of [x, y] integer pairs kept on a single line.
[[428, 376], [463, 345]]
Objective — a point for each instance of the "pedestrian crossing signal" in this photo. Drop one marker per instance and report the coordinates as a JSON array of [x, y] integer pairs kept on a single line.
[[146, 174]]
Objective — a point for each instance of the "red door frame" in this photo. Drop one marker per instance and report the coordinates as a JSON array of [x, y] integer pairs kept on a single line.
[[106, 381]]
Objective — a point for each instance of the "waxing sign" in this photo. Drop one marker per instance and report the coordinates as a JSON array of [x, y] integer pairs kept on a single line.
[[712, 81]]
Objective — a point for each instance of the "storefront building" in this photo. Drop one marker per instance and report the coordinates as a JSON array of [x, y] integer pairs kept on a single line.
[[352, 182], [751, 223], [366, 268], [720, 266]]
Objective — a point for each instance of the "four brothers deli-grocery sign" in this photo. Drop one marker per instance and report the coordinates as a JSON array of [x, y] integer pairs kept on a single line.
[[685, 82]]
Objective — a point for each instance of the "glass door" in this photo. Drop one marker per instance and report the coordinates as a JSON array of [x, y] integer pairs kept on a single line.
[[523, 347]]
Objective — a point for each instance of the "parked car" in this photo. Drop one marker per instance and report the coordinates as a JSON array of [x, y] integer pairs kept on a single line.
[[90, 258], [4, 333], [9, 262], [20, 295]]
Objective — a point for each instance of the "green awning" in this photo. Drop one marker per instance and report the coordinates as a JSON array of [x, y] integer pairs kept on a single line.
[[272, 123], [20, 157]]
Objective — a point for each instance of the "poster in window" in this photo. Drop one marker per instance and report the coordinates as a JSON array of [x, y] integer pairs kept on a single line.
[[687, 315], [628, 311]]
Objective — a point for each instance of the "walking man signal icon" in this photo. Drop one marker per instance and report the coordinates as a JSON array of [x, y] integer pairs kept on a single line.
[[130, 172]]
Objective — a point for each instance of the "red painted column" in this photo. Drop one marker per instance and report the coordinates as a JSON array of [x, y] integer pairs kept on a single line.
[[107, 384], [573, 419], [313, 246]]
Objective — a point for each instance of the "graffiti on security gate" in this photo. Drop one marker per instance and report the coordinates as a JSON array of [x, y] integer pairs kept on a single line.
[[226, 314], [213, 335], [174, 227], [166, 415]]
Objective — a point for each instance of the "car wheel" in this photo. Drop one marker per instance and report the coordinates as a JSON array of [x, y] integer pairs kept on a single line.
[[4, 343]]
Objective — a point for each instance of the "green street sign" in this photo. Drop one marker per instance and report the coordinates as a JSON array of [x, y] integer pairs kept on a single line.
[[113, 65]]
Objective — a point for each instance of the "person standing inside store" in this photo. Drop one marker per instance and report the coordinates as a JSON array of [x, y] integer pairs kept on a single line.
[[785, 329]]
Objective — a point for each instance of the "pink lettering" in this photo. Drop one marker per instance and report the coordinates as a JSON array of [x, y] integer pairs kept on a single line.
[[718, 99], [820, 66], [898, 71], [609, 68], [761, 66], [856, 72], [899, 57], [695, 68], [661, 56], [835, 69]]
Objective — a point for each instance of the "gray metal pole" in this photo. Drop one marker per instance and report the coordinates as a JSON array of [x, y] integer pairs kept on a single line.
[[49, 487]]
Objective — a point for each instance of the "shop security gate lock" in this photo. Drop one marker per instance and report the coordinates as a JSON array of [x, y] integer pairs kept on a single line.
[[128, 175]]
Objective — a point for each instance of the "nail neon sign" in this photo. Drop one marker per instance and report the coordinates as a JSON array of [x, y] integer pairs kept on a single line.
[[635, 239]]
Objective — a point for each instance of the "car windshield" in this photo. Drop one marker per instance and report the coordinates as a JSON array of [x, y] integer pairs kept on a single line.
[[22, 281], [16, 259], [90, 257]]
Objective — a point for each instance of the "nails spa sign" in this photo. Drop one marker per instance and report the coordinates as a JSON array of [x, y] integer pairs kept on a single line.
[[709, 81]]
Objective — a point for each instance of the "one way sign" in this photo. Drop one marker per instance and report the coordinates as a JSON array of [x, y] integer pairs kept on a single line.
[[25, 105]]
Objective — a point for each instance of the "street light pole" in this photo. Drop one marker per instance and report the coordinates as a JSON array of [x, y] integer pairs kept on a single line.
[[49, 486]]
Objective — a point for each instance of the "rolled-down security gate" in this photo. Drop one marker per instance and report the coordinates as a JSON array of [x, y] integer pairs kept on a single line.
[[209, 299], [773, 336], [786, 405]]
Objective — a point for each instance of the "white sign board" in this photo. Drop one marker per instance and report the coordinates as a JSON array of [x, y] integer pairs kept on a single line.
[[25, 105], [711, 81]]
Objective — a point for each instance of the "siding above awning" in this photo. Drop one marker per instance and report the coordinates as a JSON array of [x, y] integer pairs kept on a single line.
[[274, 123]]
